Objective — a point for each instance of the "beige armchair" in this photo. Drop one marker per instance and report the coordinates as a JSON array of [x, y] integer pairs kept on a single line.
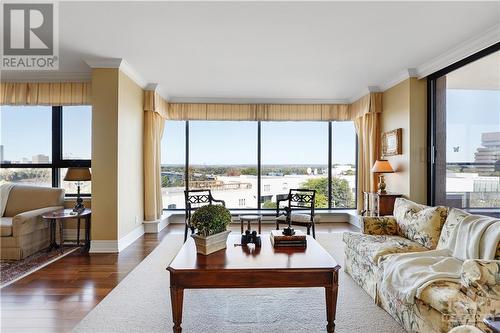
[[23, 231]]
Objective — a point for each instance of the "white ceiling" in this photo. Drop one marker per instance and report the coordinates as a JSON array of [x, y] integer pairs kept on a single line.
[[264, 50]]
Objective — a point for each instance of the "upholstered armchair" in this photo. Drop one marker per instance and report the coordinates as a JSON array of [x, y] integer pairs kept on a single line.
[[23, 231]]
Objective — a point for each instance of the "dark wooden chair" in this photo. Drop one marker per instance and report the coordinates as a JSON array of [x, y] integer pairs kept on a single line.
[[194, 200], [301, 204]]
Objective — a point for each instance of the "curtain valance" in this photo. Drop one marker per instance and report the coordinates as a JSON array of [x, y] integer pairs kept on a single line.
[[264, 112], [154, 102], [371, 103], [45, 93]]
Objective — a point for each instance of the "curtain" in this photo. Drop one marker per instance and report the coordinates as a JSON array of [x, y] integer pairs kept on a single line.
[[367, 123], [254, 112], [154, 122], [45, 93]]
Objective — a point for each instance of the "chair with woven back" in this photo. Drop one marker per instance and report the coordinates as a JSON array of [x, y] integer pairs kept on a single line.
[[195, 199], [301, 203]]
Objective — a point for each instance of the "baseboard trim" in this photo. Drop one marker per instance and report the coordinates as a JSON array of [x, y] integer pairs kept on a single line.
[[129, 238], [103, 246], [116, 246], [154, 227]]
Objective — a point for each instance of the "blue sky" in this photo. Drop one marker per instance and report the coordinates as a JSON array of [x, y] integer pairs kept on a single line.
[[469, 114], [26, 131]]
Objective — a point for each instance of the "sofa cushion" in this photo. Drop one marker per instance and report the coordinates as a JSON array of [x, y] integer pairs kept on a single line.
[[296, 217], [5, 226], [373, 247], [420, 223], [446, 297]]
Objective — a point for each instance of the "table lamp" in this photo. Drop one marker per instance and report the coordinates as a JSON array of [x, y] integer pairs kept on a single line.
[[381, 167], [78, 175]]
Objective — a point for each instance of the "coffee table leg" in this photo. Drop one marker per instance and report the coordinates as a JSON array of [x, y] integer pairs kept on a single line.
[[331, 307], [177, 296]]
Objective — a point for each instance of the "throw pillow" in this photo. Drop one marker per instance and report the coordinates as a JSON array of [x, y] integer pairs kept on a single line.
[[419, 223]]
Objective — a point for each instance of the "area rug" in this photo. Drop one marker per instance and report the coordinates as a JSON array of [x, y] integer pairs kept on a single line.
[[141, 303], [13, 270]]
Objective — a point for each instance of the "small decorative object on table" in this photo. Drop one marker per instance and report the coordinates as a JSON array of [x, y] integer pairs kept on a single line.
[[211, 222], [78, 175], [288, 231], [251, 238], [278, 239]]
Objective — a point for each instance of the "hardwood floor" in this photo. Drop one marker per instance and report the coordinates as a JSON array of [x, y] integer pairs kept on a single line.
[[57, 297]]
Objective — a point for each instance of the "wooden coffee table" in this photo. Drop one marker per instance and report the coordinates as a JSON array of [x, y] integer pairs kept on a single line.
[[249, 267]]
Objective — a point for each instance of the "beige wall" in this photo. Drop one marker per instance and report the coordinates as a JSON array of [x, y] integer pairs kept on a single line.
[[117, 176], [405, 106], [105, 153], [130, 155]]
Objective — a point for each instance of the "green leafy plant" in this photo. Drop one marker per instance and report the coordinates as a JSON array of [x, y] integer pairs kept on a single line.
[[211, 219]]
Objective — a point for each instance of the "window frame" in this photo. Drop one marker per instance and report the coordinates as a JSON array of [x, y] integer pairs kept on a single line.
[[432, 123], [259, 169], [57, 161]]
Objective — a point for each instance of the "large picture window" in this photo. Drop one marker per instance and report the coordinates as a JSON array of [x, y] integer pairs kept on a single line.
[[465, 134], [39, 143], [250, 165]]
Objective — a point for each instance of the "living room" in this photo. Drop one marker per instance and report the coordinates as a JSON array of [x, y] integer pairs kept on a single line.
[[222, 166]]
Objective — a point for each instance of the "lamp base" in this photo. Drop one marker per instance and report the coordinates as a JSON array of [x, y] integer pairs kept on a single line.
[[79, 207], [381, 185]]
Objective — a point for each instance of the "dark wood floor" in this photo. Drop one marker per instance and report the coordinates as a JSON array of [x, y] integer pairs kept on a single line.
[[57, 297]]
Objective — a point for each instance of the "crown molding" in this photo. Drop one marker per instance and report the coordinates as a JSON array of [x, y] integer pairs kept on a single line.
[[151, 86], [400, 77], [461, 51], [120, 64], [210, 100]]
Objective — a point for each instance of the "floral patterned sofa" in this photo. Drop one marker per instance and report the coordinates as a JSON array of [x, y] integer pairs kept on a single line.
[[442, 305]]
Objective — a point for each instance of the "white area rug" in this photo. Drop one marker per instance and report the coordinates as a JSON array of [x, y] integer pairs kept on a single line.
[[141, 303]]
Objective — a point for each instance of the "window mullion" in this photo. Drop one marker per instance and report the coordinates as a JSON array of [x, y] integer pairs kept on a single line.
[[259, 160], [330, 165]]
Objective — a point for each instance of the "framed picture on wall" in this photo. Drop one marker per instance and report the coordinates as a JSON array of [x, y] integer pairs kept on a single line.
[[391, 143]]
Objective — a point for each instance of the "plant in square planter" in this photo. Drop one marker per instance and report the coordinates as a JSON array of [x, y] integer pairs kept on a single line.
[[211, 222]]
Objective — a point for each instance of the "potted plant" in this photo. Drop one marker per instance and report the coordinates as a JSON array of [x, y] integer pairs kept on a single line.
[[211, 222]]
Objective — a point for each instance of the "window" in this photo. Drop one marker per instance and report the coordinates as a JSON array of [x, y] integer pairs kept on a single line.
[[295, 152], [234, 158], [173, 164], [77, 129], [465, 168], [343, 165], [223, 158], [39, 143], [26, 135]]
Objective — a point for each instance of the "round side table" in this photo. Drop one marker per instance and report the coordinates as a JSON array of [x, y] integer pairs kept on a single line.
[[249, 219], [58, 217]]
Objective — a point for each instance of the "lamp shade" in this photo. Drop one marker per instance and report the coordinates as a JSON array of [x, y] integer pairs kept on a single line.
[[78, 174], [382, 166]]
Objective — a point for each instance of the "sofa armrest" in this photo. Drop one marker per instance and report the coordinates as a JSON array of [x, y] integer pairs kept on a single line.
[[27, 222], [481, 278], [379, 225]]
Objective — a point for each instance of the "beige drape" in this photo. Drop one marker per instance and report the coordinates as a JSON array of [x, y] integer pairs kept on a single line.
[[154, 112], [367, 123], [254, 112], [45, 93]]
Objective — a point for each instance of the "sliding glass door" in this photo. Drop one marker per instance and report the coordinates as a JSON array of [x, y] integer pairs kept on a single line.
[[465, 139]]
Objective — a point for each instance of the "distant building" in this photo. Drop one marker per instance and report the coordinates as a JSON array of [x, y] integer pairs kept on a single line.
[[489, 153], [40, 158]]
